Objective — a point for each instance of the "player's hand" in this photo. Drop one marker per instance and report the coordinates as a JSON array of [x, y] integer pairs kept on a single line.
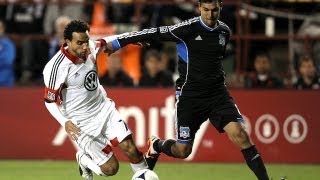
[[72, 130], [108, 48]]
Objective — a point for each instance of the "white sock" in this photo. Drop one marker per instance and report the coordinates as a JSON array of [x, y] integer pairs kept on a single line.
[[140, 165], [86, 161]]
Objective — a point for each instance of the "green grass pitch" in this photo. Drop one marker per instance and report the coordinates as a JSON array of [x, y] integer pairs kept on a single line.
[[68, 170]]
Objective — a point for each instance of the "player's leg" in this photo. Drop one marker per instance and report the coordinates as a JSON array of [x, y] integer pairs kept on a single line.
[[84, 169], [173, 148], [98, 157], [239, 136], [136, 158], [151, 155], [96, 154], [120, 136], [110, 167], [190, 115], [227, 118]]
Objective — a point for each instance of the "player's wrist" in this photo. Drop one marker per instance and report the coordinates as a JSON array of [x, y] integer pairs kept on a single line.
[[102, 42]]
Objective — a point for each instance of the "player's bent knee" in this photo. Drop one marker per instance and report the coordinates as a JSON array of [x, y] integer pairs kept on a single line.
[[240, 137], [128, 147], [111, 167], [130, 150], [183, 151], [184, 154], [110, 170]]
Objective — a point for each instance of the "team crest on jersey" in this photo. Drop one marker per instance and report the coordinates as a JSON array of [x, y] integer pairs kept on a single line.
[[163, 29], [91, 81], [184, 132], [222, 39]]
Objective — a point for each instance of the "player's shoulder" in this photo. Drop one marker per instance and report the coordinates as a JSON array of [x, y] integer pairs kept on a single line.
[[58, 61], [186, 23], [224, 26]]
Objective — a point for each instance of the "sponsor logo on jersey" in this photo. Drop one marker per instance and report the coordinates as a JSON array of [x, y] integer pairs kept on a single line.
[[91, 81], [184, 132]]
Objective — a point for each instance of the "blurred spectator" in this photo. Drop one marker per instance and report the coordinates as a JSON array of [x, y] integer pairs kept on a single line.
[[311, 28], [115, 75], [7, 58], [262, 77], [24, 17], [152, 75], [122, 11], [167, 63], [34, 55], [308, 78], [166, 14], [58, 39], [56, 8]]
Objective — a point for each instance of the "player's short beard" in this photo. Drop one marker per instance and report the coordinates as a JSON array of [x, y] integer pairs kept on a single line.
[[82, 55]]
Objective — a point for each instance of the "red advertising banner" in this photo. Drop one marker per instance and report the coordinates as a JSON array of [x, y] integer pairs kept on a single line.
[[283, 125]]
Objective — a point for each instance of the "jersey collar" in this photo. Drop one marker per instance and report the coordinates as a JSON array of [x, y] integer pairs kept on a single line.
[[207, 27], [71, 57]]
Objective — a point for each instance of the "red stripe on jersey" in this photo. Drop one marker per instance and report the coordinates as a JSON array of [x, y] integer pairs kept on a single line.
[[114, 142], [107, 149]]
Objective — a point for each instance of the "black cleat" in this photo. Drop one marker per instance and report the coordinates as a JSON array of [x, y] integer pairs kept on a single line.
[[151, 155]]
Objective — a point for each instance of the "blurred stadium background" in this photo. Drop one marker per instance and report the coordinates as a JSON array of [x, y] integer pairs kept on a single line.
[[282, 119]]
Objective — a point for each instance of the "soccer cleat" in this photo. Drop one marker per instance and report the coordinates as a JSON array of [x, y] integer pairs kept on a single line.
[[152, 155], [85, 172]]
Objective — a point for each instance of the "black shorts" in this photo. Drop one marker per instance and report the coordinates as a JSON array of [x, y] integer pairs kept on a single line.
[[191, 112]]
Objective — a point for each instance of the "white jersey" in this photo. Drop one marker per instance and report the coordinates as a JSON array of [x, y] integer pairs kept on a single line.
[[75, 82]]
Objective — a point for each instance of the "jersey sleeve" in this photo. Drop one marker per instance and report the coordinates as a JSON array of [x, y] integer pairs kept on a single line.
[[96, 46], [173, 33], [54, 75]]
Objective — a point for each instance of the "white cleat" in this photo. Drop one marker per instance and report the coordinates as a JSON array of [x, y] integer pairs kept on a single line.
[[85, 172]]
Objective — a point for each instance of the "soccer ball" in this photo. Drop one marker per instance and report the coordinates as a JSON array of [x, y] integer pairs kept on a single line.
[[145, 174]]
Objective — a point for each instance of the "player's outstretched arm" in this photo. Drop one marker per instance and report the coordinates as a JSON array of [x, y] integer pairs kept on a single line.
[[108, 48], [142, 38], [72, 130]]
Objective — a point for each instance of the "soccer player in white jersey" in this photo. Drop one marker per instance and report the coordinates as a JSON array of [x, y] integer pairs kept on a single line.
[[75, 98]]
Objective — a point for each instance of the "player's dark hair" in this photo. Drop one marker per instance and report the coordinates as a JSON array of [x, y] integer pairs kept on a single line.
[[75, 26], [209, 1]]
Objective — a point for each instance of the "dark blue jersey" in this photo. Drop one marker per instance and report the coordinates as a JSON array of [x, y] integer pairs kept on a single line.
[[200, 48]]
